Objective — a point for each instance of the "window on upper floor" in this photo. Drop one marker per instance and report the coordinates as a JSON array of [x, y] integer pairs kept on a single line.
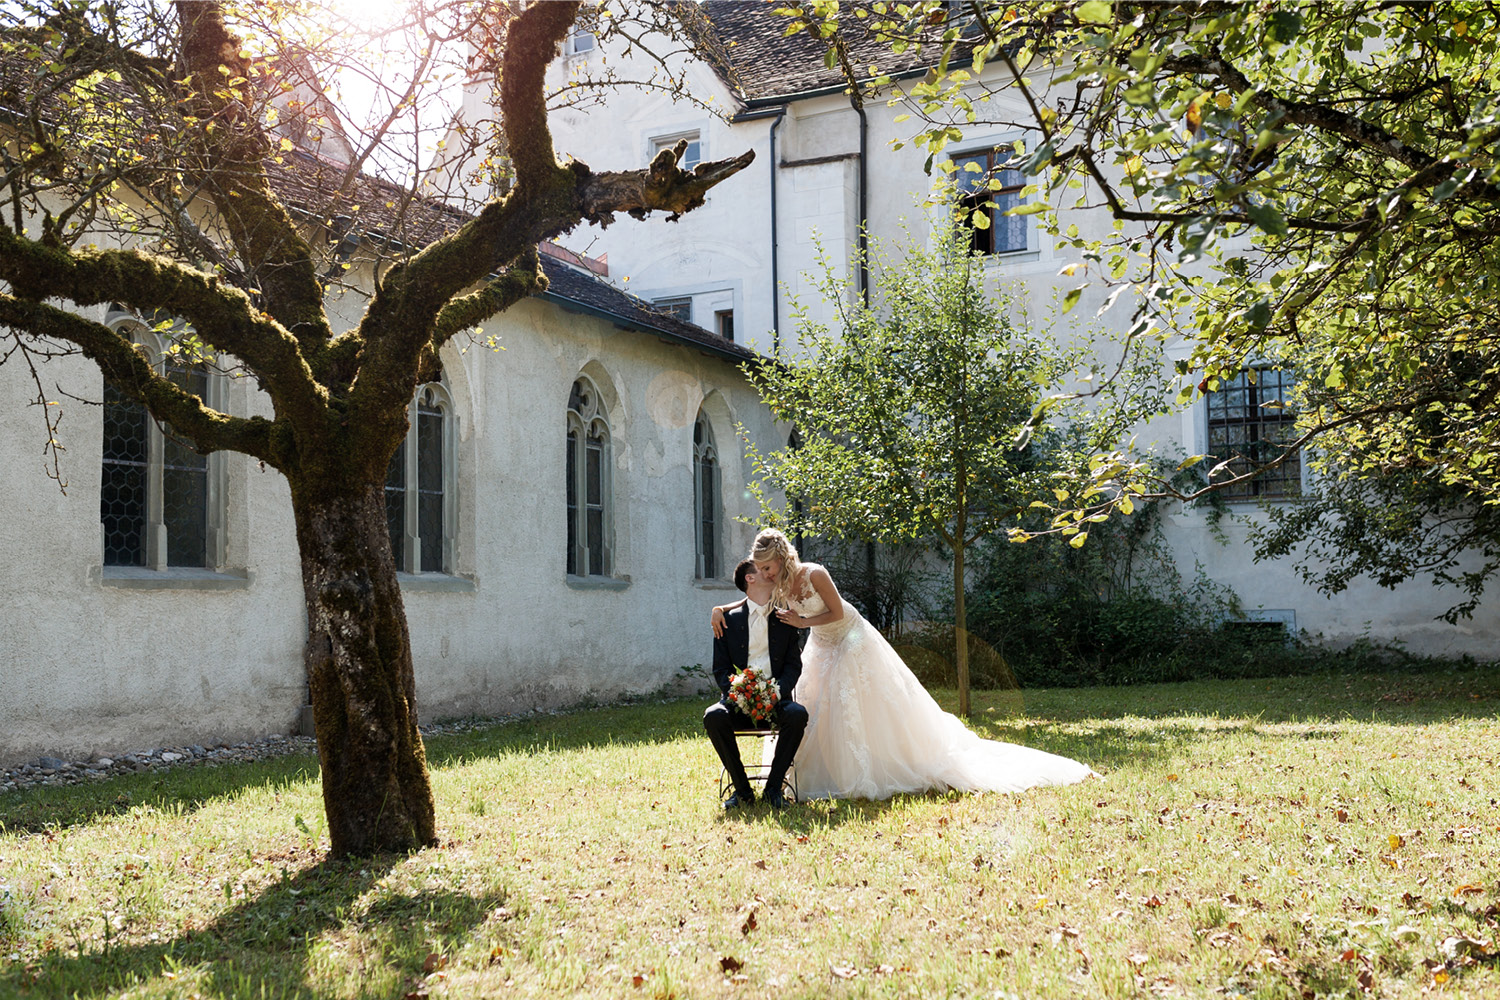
[[1250, 423], [588, 486], [706, 499], [679, 307], [580, 42], [160, 501], [419, 486], [691, 157], [724, 323], [987, 189]]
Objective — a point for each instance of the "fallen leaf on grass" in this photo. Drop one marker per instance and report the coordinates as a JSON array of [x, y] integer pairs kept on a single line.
[[637, 980], [434, 962], [747, 918], [1465, 947], [1468, 890], [730, 964], [843, 971], [1396, 841], [761, 864]]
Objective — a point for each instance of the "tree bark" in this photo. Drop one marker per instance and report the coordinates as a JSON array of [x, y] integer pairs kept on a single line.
[[960, 619], [359, 669]]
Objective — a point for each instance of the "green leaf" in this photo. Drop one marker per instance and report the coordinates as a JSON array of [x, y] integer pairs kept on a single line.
[[1077, 540], [1268, 217], [1095, 12]]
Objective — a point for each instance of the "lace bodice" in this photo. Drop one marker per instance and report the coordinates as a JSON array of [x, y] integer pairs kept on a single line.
[[811, 604]]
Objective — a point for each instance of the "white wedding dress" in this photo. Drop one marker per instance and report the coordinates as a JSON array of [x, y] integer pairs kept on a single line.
[[874, 731]]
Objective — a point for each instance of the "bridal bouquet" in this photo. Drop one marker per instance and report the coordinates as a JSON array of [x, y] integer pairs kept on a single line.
[[754, 693]]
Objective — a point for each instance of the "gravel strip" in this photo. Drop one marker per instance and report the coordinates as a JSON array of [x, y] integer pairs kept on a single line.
[[48, 770]]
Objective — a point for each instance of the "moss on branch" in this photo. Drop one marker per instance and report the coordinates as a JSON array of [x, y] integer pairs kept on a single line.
[[221, 315], [123, 366]]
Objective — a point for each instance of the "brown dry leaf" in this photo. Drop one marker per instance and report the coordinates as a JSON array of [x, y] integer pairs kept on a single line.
[[1171, 777], [434, 962], [1343, 815], [1366, 979], [496, 953], [1468, 890], [1154, 901], [730, 964], [637, 980], [1409, 901], [843, 971], [747, 918], [761, 864], [419, 993], [1349, 956]]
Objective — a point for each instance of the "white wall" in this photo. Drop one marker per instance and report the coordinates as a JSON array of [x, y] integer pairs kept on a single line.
[[727, 243], [89, 663]]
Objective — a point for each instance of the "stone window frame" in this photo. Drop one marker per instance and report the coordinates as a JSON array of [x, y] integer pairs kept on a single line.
[[153, 344], [708, 504], [588, 417], [436, 397]]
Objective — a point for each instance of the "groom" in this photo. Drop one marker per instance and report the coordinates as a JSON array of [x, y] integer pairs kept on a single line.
[[755, 637]]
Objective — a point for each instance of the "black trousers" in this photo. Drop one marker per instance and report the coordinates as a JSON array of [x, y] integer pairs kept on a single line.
[[721, 721]]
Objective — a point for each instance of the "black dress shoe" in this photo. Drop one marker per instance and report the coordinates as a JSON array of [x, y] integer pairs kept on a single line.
[[736, 802], [774, 798]]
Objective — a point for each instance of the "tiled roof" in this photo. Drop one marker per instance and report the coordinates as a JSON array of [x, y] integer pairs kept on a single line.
[[765, 65], [575, 289]]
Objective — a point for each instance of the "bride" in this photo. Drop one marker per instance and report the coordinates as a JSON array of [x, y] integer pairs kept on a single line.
[[874, 730]]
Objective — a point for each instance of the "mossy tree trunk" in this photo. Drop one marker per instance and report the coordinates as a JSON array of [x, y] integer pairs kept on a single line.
[[359, 670], [340, 399]]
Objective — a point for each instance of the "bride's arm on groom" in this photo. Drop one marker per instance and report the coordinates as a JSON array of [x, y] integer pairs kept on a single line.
[[716, 616]]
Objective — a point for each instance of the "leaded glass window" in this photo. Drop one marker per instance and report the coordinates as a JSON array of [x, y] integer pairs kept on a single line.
[[125, 479], [1251, 422], [155, 488], [706, 498], [416, 487], [587, 465]]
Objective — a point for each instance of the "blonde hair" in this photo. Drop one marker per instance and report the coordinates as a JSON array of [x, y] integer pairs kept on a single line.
[[772, 544]]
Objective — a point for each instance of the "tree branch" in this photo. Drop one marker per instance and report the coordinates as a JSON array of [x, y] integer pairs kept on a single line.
[[221, 315], [125, 369], [236, 151], [522, 279]]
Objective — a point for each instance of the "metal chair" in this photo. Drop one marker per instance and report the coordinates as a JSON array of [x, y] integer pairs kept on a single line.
[[760, 770]]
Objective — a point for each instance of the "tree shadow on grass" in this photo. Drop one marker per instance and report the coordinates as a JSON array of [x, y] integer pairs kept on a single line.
[[261, 947]]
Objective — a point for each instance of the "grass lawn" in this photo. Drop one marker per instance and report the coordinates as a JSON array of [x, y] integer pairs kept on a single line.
[[1322, 836]]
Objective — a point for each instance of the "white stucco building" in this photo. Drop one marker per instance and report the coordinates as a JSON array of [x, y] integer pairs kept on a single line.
[[824, 167], [564, 512]]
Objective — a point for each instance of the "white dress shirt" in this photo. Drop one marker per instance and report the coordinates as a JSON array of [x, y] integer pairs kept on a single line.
[[759, 654]]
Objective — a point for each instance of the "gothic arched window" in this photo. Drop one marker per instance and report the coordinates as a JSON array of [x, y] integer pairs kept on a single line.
[[418, 491], [158, 497], [588, 488], [706, 498]]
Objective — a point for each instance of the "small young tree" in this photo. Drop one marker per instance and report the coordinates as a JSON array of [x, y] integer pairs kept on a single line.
[[150, 129], [916, 415]]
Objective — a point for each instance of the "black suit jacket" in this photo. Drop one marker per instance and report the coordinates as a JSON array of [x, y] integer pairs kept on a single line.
[[731, 650]]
